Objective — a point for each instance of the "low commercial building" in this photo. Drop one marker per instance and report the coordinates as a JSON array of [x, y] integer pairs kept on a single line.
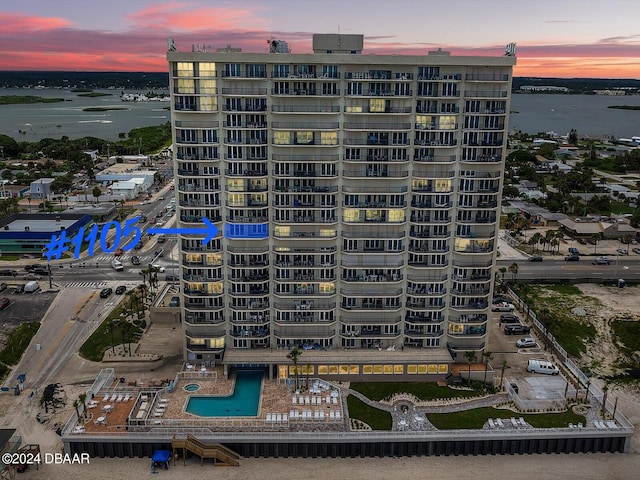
[[29, 233]]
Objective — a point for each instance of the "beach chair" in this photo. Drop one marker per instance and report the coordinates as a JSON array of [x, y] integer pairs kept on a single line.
[[106, 397], [294, 400], [321, 415], [114, 397], [285, 418], [332, 415], [313, 400], [279, 418], [338, 415], [522, 422], [514, 422], [316, 415], [268, 420], [611, 424], [334, 400], [499, 422], [127, 397], [580, 425], [120, 397], [327, 400], [571, 425], [307, 400], [491, 424]]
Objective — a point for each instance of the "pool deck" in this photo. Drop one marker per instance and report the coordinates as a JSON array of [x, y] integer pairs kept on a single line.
[[276, 398]]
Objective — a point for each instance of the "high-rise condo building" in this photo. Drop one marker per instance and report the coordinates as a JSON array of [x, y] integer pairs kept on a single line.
[[358, 196]]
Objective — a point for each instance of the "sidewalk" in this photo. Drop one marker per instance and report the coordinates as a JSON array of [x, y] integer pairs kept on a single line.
[[507, 252]]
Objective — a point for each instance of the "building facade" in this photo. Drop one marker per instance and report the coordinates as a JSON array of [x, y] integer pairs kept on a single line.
[[359, 198]]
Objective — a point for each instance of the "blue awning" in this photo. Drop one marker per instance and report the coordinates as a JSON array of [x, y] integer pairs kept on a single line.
[[161, 456]]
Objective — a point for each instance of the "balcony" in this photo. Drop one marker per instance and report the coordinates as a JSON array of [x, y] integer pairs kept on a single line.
[[377, 305], [302, 305], [305, 108], [485, 94], [246, 173], [482, 159], [252, 305], [365, 278], [434, 158], [423, 332], [375, 173], [356, 109], [253, 91], [248, 332]]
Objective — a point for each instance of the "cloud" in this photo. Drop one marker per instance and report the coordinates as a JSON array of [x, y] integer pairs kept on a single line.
[[19, 23], [177, 16]]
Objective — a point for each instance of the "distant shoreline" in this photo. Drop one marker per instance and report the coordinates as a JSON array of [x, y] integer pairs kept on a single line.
[[625, 107], [24, 99]]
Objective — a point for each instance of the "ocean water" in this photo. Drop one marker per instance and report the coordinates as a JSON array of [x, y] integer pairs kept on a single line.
[[588, 114]]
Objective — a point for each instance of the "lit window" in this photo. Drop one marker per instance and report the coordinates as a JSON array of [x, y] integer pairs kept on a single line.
[[388, 369], [444, 368], [351, 215], [396, 215], [282, 371], [282, 231], [208, 104], [304, 138], [377, 369], [354, 369], [367, 369], [325, 232], [424, 121], [185, 85], [373, 215], [447, 122], [329, 138], [432, 369], [333, 369], [216, 342], [214, 259], [236, 185], [327, 287], [353, 109], [422, 369], [207, 86], [184, 69], [216, 287], [443, 185], [377, 105], [412, 369], [281, 138], [344, 369], [193, 257], [207, 69], [398, 369], [235, 199], [462, 245], [323, 370]]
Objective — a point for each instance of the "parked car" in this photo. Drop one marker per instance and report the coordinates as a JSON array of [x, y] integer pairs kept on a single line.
[[158, 268], [3, 286], [636, 250], [516, 329], [622, 251], [509, 318], [31, 276], [601, 261], [4, 303], [526, 342], [574, 251], [8, 273], [499, 299], [537, 258], [19, 289], [105, 292], [502, 307], [120, 289], [135, 260], [572, 258], [41, 271], [582, 241]]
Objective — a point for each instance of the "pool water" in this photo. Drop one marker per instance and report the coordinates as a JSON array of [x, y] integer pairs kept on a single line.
[[192, 387], [243, 402]]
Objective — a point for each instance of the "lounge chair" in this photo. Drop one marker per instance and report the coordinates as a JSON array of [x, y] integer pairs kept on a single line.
[[313, 400], [294, 400], [279, 418], [514, 422], [499, 422], [307, 400], [522, 422], [268, 420], [321, 414], [338, 415], [327, 400], [332, 415], [285, 418], [611, 424], [120, 397], [335, 400], [114, 397], [491, 424], [127, 397], [316, 415], [106, 397]]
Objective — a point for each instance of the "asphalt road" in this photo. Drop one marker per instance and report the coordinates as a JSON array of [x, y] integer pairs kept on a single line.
[[626, 267]]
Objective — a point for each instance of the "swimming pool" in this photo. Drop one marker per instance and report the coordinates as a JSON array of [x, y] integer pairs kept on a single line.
[[192, 387], [243, 402]]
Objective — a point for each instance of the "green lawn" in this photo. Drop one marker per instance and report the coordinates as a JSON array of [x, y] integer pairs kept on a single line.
[[17, 342], [95, 346], [422, 390], [628, 335], [476, 418], [376, 419]]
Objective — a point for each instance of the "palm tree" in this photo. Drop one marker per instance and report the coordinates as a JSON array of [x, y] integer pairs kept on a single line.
[[293, 355], [76, 404], [505, 365], [534, 240], [471, 357], [595, 238], [628, 239], [513, 269], [83, 398], [486, 356], [127, 327]]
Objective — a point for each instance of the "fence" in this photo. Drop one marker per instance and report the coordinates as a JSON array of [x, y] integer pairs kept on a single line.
[[597, 396]]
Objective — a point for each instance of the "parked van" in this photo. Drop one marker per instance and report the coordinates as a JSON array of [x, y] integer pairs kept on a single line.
[[31, 287], [542, 366], [117, 265]]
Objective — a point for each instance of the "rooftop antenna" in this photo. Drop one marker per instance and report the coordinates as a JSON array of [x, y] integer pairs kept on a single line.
[[171, 45], [510, 50]]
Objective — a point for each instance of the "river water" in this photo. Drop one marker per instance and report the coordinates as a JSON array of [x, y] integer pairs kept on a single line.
[[588, 114]]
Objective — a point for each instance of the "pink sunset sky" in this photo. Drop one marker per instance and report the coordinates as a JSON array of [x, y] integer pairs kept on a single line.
[[555, 38]]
